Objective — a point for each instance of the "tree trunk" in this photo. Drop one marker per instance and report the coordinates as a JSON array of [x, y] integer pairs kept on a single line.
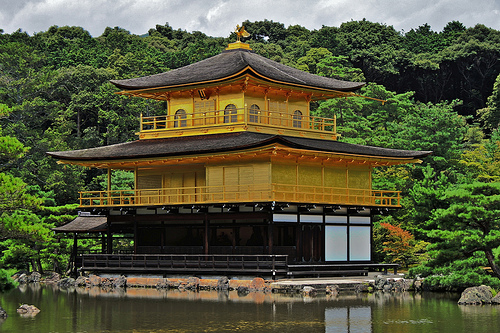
[[491, 262], [33, 265], [39, 263]]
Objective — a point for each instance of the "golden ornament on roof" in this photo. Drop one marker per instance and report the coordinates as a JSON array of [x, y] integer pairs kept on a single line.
[[241, 32]]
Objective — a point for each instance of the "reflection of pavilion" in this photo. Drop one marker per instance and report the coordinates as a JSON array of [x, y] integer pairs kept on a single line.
[[348, 319], [236, 176]]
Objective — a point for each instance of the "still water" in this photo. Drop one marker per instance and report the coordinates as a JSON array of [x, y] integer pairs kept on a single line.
[[149, 310]]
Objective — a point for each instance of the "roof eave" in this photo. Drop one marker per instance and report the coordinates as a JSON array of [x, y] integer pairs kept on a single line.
[[230, 78]]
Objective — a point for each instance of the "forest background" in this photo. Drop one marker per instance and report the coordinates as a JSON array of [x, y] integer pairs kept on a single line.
[[442, 91]]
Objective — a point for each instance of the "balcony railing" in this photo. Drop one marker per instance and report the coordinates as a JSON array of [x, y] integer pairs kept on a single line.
[[240, 194], [242, 116]]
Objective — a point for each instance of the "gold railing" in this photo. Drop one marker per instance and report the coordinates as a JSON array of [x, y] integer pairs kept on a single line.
[[240, 194], [239, 116]]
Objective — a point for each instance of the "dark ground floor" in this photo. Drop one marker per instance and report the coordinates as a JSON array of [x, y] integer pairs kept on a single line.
[[304, 235], [309, 234]]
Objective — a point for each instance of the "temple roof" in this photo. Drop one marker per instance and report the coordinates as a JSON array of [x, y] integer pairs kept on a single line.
[[227, 142], [84, 224], [231, 64]]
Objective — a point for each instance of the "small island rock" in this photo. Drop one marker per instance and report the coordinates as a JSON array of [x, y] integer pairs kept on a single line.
[[26, 309], [476, 296]]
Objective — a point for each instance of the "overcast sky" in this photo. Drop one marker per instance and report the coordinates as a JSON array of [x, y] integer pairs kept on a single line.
[[219, 17]]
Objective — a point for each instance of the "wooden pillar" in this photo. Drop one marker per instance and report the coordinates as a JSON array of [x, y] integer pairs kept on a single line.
[[323, 239], [162, 238], [75, 252], [270, 237], [135, 177], [135, 236], [169, 109], [103, 243], [217, 99], [233, 238], [298, 242], [109, 180], [205, 237], [109, 240]]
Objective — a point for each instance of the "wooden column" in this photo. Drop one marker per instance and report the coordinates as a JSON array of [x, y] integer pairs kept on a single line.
[[298, 241], [75, 252], [205, 237], [109, 240], [233, 238], [270, 237], [135, 236], [162, 239], [103, 243], [135, 177], [109, 180]]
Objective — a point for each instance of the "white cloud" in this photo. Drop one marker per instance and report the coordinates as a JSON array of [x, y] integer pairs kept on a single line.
[[218, 18]]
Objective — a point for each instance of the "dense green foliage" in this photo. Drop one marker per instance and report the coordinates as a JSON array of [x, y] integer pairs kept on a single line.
[[442, 91], [6, 281]]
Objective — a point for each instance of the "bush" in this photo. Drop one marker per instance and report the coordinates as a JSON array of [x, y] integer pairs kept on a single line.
[[6, 281]]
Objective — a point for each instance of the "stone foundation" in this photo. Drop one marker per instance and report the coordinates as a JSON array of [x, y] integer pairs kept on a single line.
[[311, 287]]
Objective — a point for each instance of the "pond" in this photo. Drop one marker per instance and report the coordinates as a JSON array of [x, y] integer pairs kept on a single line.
[[150, 310]]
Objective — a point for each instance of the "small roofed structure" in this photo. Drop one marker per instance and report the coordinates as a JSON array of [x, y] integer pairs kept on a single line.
[[238, 166], [84, 224]]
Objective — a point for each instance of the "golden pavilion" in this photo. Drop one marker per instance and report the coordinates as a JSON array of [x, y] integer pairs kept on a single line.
[[237, 177]]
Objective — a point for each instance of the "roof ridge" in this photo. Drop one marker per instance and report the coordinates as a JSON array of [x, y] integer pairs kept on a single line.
[[271, 63]]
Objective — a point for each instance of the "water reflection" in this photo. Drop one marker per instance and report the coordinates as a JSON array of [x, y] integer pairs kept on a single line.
[[340, 320], [150, 310]]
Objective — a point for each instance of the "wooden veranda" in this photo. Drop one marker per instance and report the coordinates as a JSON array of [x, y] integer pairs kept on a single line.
[[275, 266]]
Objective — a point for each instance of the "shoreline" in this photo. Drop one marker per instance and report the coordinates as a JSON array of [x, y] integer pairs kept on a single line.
[[306, 286]]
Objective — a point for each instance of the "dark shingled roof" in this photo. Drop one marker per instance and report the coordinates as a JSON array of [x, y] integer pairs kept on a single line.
[[229, 63], [84, 224], [226, 142]]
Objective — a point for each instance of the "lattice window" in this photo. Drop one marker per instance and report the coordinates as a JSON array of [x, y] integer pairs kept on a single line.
[[297, 119], [180, 118], [204, 106], [230, 114], [254, 113]]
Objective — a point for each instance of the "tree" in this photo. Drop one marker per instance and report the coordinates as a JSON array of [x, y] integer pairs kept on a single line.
[[25, 222], [339, 67], [464, 235], [266, 31], [372, 47], [309, 62], [483, 162], [490, 115], [400, 245]]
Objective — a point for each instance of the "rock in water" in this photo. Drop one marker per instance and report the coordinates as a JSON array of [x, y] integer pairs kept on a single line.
[[34, 277], [28, 310], [332, 290], [496, 299], [309, 291], [81, 281], [476, 296], [22, 279], [66, 283], [120, 282], [3, 313], [223, 283], [53, 278]]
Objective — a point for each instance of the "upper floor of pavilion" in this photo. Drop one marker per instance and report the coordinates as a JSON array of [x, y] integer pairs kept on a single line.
[[237, 90]]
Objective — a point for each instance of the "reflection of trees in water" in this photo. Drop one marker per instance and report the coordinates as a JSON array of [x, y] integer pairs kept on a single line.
[[145, 310]]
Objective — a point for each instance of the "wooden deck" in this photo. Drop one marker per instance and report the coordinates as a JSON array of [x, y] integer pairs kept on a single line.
[[318, 270], [275, 266], [274, 192], [195, 264]]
